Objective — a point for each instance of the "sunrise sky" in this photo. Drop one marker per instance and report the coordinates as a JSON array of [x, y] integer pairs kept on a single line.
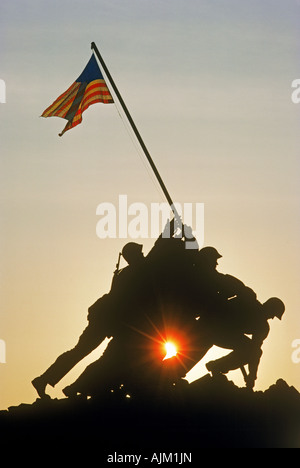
[[208, 84]]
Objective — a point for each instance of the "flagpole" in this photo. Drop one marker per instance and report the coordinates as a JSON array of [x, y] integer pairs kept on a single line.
[[135, 130]]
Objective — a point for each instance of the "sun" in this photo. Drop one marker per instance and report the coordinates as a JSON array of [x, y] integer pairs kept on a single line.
[[170, 350]]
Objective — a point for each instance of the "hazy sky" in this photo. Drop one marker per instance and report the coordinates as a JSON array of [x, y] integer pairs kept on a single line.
[[208, 84]]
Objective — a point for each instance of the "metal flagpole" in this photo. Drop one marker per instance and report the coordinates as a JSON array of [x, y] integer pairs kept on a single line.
[[136, 132]]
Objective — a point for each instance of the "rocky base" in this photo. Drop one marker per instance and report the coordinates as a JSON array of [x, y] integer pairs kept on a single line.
[[209, 413]]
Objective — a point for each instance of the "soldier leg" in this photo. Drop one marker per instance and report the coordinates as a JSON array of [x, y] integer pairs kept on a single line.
[[253, 364], [88, 341], [243, 353], [101, 375], [200, 345], [231, 361], [194, 356]]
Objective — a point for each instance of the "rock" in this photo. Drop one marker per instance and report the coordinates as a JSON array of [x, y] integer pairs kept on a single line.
[[209, 413]]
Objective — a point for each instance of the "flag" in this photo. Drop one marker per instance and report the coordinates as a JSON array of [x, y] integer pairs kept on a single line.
[[88, 89]]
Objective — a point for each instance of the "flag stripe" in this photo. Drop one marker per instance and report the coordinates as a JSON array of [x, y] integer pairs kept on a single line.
[[100, 85], [93, 89], [62, 102], [61, 106], [65, 110], [76, 102], [93, 94]]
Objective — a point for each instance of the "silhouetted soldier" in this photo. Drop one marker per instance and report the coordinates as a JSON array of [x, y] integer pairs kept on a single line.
[[101, 321], [228, 311], [119, 311], [230, 332], [134, 351], [209, 297], [216, 288]]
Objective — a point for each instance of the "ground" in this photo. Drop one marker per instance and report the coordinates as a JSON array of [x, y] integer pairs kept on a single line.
[[209, 413]]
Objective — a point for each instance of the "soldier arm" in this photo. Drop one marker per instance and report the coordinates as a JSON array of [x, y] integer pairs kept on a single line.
[[259, 336], [231, 286]]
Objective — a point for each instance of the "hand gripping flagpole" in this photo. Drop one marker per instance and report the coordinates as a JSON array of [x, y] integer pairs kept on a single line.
[[136, 132]]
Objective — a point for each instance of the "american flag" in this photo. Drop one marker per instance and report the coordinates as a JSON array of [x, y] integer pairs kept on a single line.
[[89, 88]]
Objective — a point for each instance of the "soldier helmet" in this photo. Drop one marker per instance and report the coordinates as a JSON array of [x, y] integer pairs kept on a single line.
[[209, 253], [275, 306], [130, 250]]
